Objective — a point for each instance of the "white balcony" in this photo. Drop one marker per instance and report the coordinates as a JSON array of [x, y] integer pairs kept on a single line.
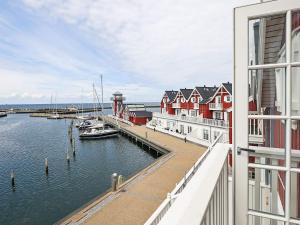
[[191, 119], [216, 106], [256, 131], [176, 105], [194, 199], [196, 105]]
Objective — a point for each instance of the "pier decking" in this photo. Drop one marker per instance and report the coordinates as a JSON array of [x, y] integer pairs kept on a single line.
[[139, 197]]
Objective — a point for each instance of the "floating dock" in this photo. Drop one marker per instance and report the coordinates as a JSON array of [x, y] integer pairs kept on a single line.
[[135, 200]]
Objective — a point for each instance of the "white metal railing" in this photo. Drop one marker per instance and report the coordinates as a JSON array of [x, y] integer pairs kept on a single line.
[[176, 105], [256, 130], [196, 105], [215, 106], [191, 119], [161, 211]]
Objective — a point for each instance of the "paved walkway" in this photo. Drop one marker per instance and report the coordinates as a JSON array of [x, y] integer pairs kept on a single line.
[[138, 199]]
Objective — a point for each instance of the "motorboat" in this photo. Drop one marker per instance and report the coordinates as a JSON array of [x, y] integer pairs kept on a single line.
[[96, 133], [88, 124], [3, 114]]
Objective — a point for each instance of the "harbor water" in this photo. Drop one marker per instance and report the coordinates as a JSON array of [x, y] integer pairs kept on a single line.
[[38, 199]]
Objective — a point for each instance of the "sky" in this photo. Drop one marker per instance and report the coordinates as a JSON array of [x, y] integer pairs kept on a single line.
[[142, 48]]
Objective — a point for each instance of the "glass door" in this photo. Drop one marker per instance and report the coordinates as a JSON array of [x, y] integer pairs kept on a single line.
[[267, 113]]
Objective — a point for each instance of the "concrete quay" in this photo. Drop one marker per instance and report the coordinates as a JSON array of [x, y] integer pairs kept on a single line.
[[135, 200]]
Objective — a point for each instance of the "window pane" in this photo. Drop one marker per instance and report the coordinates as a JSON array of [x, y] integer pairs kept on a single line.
[[296, 37], [295, 132], [267, 191], [295, 91], [267, 91], [256, 220], [295, 195], [268, 137], [267, 40]]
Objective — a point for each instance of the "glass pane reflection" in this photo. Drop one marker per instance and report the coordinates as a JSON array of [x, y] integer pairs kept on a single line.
[[267, 40], [296, 36], [267, 91]]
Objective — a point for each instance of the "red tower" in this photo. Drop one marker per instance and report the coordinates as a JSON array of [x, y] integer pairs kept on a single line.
[[117, 103]]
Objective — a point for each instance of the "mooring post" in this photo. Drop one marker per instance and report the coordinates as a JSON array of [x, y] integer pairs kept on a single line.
[[146, 135], [68, 157], [114, 180], [46, 166], [73, 147], [12, 177], [120, 180]]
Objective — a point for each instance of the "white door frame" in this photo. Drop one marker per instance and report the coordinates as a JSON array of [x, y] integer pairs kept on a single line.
[[240, 101]]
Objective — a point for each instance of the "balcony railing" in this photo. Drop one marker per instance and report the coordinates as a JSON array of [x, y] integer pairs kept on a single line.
[[191, 119], [196, 105], [216, 106], [176, 105], [256, 131], [199, 195]]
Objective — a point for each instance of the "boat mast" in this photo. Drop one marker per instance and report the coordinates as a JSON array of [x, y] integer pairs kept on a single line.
[[101, 93], [102, 101]]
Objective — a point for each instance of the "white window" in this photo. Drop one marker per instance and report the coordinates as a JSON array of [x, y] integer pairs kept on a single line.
[[193, 99], [218, 115], [216, 134], [205, 134], [189, 129], [182, 100], [200, 99], [177, 100], [218, 99], [227, 98], [193, 112]]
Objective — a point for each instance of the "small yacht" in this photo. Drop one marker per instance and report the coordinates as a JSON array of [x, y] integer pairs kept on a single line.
[[3, 114], [96, 133], [88, 124], [54, 116]]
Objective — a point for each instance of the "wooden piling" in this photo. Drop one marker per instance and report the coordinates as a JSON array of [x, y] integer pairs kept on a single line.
[[12, 177], [46, 166]]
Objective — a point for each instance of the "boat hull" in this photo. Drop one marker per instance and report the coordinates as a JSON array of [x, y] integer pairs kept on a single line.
[[99, 136]]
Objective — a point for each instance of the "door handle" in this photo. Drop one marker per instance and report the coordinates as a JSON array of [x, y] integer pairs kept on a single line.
[[239, 150]]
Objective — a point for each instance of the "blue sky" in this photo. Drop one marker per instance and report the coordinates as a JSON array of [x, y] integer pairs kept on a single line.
[[52, 47]]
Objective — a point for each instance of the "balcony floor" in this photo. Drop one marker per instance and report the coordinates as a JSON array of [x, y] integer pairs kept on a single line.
[[145, 193]]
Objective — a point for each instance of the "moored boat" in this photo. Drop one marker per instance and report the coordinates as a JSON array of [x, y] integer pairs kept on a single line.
[[3, 114], [54, 116], [95, 133]]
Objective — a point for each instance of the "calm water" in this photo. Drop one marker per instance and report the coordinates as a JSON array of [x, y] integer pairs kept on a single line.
[[24, 144]]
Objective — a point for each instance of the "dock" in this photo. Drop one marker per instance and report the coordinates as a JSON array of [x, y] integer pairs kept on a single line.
[[135, 201]]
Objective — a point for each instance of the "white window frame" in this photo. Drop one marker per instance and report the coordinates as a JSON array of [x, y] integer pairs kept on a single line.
[[240, 111]]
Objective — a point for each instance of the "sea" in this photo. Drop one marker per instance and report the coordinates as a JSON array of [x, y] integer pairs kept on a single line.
[[40, 199]]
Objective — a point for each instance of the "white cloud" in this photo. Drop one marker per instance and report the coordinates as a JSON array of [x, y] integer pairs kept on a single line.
[[163, 41], [162, 44], [22, 87]]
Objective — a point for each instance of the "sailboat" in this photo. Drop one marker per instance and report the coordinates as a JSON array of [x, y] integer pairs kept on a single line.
[[54, 115], [101, 132]]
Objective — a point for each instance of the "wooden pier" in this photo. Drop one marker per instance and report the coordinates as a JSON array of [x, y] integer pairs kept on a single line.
[[136, 199]]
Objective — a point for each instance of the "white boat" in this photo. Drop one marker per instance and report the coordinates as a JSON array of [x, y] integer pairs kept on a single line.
[[54, 116], [104, 131], [3, 114], [95, 133], [88, 124]]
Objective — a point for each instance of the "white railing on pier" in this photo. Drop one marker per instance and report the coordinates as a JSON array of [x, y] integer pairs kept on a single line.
[[198, 168], [192, 119], [215, 106]]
